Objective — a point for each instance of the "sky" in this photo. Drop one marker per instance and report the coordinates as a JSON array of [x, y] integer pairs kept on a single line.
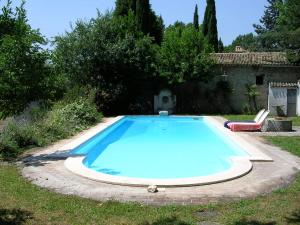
[[54, 17]]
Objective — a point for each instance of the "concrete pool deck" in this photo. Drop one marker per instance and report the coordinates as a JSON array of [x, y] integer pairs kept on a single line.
[[45, 167]]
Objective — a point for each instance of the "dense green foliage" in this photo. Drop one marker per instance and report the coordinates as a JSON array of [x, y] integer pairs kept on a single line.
[[247, 41], [184, 55], [123, 7], [24, 73], [117, 60], [196, 18], [270, 17], [39, 126], [146, 19], [209, 26], [288, 31], [267, 39]]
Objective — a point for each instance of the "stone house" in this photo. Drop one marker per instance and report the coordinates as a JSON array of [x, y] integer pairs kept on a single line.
[[267, 70]]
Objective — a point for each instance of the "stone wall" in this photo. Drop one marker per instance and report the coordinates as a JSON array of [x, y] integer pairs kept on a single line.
[[239, 76]]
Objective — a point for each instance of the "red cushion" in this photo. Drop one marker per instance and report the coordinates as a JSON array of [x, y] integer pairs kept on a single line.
[[244, 126]]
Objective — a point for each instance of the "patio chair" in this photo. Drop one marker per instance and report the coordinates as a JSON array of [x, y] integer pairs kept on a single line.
[[256, 119], [244, 126]]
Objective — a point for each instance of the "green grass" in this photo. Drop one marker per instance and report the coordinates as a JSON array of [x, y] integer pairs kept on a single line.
[[296, 120], [292, 144], [23, 203], [239, 117]]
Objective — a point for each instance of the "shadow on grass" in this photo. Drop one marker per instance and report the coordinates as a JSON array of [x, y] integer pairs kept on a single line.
[[14, 216], [294, 218], [167, 221]]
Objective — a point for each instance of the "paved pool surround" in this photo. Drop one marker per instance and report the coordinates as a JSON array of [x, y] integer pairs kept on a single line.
[[271, 168], [240, 165]]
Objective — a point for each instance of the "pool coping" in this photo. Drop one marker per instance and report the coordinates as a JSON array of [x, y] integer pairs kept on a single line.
[[240, 165]]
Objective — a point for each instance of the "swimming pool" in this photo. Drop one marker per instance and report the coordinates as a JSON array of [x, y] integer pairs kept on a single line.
[[145, 150]]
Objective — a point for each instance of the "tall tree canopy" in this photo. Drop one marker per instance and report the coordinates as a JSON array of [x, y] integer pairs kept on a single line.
[[24, 73], [146, 19], [220, 45], [249, 42], [185, 55], [269, 19], [210, 29], [289, 28], [196, 18], [116, 59]]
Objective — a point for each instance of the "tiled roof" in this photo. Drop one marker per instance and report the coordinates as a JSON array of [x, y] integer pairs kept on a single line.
[[284, 84], [252, 58]]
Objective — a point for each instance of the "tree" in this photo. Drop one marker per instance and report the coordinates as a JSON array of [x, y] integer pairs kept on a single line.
[[210, 29], [267, 37], [184, 55], [196, 18], [146, 19], [270, 17], [143, 13], [288, 31], [117, 60], [122, 7], [250, 42], [25, 75], [221, 45]]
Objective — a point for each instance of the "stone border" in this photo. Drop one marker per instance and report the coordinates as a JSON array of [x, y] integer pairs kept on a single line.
[[45, 167], [239, 167]]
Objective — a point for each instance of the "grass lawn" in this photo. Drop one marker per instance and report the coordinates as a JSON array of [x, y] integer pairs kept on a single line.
[[296, 120], [239, 117], [290, 143], [24, 203]]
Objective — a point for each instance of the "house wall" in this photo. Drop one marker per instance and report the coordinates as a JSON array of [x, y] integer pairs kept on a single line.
[[240, 76]]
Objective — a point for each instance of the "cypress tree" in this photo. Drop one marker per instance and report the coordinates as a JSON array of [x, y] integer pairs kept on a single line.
[[156, 28], [147, 21], [143, 13], [220, 45], [210, 30], [196, 18], [122, 7], [132, 5]]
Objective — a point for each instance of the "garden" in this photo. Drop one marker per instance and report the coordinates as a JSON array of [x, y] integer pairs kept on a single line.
[[112, 65]]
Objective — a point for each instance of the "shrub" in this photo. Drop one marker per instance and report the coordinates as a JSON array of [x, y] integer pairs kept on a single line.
[[117, 59], [15, 137], [43, 127]]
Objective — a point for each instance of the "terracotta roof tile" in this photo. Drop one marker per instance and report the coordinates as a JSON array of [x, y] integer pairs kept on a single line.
[[251, 58], [284, 84]]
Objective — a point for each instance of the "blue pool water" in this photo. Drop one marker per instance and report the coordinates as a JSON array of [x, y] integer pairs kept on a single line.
[[159, 147]]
